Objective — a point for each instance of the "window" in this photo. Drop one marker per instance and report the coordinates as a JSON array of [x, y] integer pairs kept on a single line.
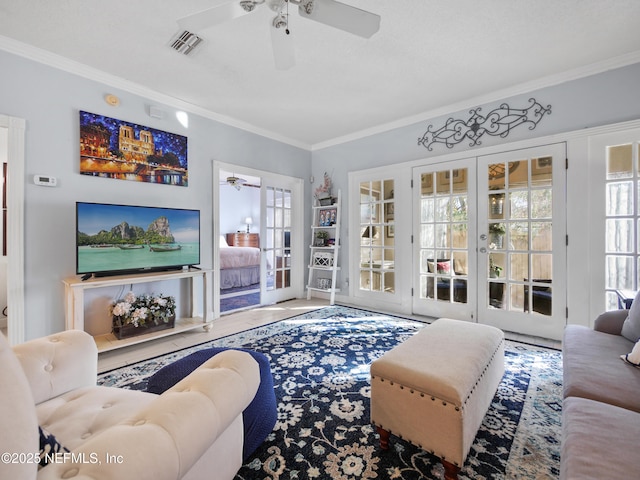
[[622, 247]]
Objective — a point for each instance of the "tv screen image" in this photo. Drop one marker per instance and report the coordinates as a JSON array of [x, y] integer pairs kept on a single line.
[[118, 239]]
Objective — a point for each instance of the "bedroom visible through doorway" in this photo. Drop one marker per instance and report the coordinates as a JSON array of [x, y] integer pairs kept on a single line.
[[240, 242]]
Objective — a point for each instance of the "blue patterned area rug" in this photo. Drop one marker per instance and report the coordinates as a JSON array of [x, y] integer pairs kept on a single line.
[[320, 363]]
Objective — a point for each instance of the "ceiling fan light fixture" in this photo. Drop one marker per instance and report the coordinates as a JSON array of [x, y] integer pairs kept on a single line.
[[250, 5], [236, 182], [307, 6], [280, 21]]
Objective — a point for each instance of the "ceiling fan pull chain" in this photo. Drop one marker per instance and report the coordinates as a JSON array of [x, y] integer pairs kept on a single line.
[[287, 29]]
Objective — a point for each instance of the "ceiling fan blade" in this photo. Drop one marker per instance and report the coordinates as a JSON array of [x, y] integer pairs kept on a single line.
[[282, 45], [341, 16], [212, 16]]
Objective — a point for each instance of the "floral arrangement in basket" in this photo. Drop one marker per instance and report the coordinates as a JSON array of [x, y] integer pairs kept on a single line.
[[143, 310]]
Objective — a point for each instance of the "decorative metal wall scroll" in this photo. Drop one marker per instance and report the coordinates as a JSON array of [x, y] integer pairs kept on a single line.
[[498, 122]]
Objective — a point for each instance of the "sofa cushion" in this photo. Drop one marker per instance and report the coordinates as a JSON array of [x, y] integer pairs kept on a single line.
[[598, 441], [18, 422], [631, 326], [592, 368], [261, 414], [79, 415], [442, 266]]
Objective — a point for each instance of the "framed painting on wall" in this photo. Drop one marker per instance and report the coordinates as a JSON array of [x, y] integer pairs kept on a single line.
[[112, 148]]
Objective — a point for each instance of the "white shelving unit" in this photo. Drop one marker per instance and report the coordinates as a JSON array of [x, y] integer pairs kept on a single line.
[[74, 289], [323, 262]]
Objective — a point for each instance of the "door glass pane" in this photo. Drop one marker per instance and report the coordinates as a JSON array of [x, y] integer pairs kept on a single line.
[[496, 206], [620, 162], [276, 245], [497, 176], [518, 297], [459, 180], [519, 270], [541, 172], [377, 236], [541, 203], [443, 229], [519, 204], [619, 272], [541, 266], [619, 236], [619, 198], [541, 236], [519, 235], [518, 174]]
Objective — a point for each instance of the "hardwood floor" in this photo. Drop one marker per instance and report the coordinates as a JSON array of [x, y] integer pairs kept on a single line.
[[225, 325], [245, 320]]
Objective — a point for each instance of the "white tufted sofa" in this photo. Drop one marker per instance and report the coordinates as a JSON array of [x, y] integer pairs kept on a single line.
[[192, 431]]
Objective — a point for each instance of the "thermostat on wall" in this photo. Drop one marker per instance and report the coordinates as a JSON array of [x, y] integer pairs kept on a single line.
[[45, 180]]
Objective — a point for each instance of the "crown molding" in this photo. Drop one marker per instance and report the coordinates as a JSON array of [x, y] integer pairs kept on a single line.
[[71, 66], [523, 88]]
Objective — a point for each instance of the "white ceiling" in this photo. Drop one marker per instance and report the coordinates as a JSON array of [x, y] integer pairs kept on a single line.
[[429, 56]]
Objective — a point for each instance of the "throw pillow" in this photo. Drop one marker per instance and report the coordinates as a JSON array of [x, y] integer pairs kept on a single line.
[[441, 266], [634, 357], [49, 446], [631, 326]]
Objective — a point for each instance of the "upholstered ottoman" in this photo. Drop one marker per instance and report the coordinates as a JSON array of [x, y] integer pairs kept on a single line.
[[435, 388], [258, 418]]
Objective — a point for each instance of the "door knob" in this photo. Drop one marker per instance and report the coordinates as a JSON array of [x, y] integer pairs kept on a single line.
[[483, 250], [483, 236]]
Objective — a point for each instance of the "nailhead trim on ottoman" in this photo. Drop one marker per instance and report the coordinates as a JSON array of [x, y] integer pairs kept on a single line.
[[434, 389]]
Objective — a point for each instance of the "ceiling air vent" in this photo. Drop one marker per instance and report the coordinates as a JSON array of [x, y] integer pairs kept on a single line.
[[186, 42]]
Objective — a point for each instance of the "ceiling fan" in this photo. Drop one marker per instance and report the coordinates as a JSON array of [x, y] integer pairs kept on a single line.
[[329, 12], [234, 181]]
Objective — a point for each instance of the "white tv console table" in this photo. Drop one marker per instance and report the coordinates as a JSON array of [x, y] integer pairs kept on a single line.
[[74, 289]]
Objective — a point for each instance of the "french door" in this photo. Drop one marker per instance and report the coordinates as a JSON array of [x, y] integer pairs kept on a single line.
[[443, 249], [491, 240], [522, 240], [280, 239]]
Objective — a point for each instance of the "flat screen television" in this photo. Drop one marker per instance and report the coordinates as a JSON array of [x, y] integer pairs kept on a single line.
[[124, 239]]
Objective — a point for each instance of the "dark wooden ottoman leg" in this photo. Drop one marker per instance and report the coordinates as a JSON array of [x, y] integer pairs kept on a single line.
[[384, 438], [450, 470]]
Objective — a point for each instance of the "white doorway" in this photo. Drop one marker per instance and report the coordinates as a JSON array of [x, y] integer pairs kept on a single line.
[[239, 224], [15, 150], [258, 255]]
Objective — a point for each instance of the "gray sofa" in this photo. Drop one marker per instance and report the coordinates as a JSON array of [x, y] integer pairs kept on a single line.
[[601, 405]]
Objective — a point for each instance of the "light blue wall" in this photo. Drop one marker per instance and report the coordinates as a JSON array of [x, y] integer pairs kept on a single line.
[[597, 100], [246, 202], [49, 100]]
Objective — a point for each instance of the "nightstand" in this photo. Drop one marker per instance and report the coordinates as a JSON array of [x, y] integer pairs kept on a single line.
[[240, 239]]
